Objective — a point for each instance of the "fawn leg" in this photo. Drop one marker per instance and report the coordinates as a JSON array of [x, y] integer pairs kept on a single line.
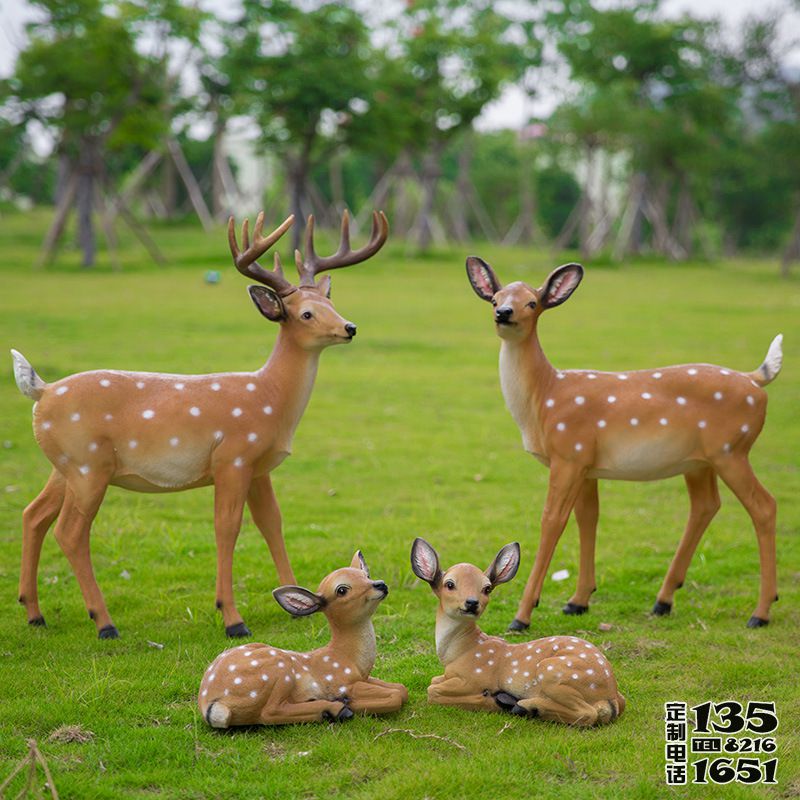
[[587, 511], [704, 504], [267, 517], [566, 480], [36, 521], [367, 697], [391, 685], [81, 503], [575, 711], [760, 504], [312, 711], [230, 490], [455, 691]]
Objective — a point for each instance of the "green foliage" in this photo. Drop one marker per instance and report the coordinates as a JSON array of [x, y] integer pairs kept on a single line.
[[406, 434]]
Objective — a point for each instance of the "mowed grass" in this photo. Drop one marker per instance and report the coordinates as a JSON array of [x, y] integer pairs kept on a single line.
[[406, 434]]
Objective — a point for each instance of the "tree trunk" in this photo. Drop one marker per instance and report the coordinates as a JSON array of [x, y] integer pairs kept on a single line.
[[431, 172], [298, 180], [85, 197], [463, 187], [169, 187]]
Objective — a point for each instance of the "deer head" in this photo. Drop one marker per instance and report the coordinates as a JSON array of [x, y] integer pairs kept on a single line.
[[303, 310], [518, 306]]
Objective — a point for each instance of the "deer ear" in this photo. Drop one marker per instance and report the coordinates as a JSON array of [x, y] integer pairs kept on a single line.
[[324, 285], [359, 563], [299, 602], [482, 278], [505, 565], [425, 562], [268, 303], [560, 284]]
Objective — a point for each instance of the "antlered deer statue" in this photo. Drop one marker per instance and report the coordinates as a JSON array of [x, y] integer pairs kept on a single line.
[[152, 432], [698, 420]]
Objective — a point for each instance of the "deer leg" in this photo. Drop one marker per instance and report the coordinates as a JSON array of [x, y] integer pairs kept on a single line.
[[587, 511], [704, 504], [36, 521], [367, 697], [390, 685], [760, 504], [230, 490], [455, 691], [311, 711], [566, 480], [72, 534], [566, 709], [267, 517]]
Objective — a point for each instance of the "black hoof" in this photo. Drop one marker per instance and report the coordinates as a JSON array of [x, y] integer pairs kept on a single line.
[[237, 631], [37, 622], [757, 622], [517, 626], [662, 609], [519, 711], [574, 609], [505, 701], [344, 715], [108, 632]]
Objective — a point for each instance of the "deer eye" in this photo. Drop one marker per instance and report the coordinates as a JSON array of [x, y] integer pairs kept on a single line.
[[532, 304], [306, 315], [449, 585], [487, 590], [342, 590]]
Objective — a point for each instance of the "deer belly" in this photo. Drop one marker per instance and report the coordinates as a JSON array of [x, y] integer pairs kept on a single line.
[[644, 458], [181, 466]]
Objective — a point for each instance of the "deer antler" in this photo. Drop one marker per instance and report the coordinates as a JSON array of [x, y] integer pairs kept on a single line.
[[246, 261], [311, 264]]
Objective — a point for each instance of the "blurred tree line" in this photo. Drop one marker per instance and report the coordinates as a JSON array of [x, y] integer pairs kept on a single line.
[[668, 136]]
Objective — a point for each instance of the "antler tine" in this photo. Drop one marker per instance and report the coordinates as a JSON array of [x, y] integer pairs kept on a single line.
[[311, 264], [245, 260]]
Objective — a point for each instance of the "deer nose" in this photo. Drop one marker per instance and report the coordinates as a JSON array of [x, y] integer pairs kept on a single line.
[[503, 313], [471, 605], [381, 587], [351, 329]]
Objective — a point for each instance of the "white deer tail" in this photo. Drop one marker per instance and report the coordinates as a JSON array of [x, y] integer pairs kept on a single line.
[[769, 370], [30, 384]]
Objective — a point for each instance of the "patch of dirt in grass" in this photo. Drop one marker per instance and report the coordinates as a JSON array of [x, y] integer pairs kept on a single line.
[[71, 734], [275, 751]]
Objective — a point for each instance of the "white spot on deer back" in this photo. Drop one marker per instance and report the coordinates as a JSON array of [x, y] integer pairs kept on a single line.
[[267, 409], [215, 387], [237, 412], [75, 417], [251, 387], [194, 411], [148, 413]]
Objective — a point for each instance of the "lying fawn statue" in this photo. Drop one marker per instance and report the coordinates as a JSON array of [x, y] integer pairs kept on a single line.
[[257, 684], [559, 678]]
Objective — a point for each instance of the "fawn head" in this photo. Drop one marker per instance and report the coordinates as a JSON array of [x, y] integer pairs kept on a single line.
[[304, 310], [518, 306], [463, 590], [347, 596]]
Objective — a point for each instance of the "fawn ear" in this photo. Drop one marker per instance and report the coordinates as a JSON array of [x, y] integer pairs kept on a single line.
[[505, 564], [359, 563], [560, 284], [482, 278], [267, 302], [425, 562], [324, 285], [299, 602]]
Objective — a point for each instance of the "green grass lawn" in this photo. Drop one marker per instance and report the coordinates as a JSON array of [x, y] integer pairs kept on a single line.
[[406, 435]]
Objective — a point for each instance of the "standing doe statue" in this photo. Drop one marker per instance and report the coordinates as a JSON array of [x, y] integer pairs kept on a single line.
[[559, 678], [152, 432], [257, 684], [697, 420]]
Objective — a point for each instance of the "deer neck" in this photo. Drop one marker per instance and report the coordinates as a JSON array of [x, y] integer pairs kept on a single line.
[[355, 641], [525, 377], [288, 377], [454, 637]]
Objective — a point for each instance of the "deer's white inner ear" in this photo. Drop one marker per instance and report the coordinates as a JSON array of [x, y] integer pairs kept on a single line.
[[298, 602], [425, 561]]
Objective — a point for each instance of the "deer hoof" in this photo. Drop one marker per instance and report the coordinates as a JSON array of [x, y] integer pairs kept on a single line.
[[757, 622], [521, 711], [662, 609], [505, 701], [345, 714], [574, 609], [37, 622], [108, 632], [237, 631], [518, 626]]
